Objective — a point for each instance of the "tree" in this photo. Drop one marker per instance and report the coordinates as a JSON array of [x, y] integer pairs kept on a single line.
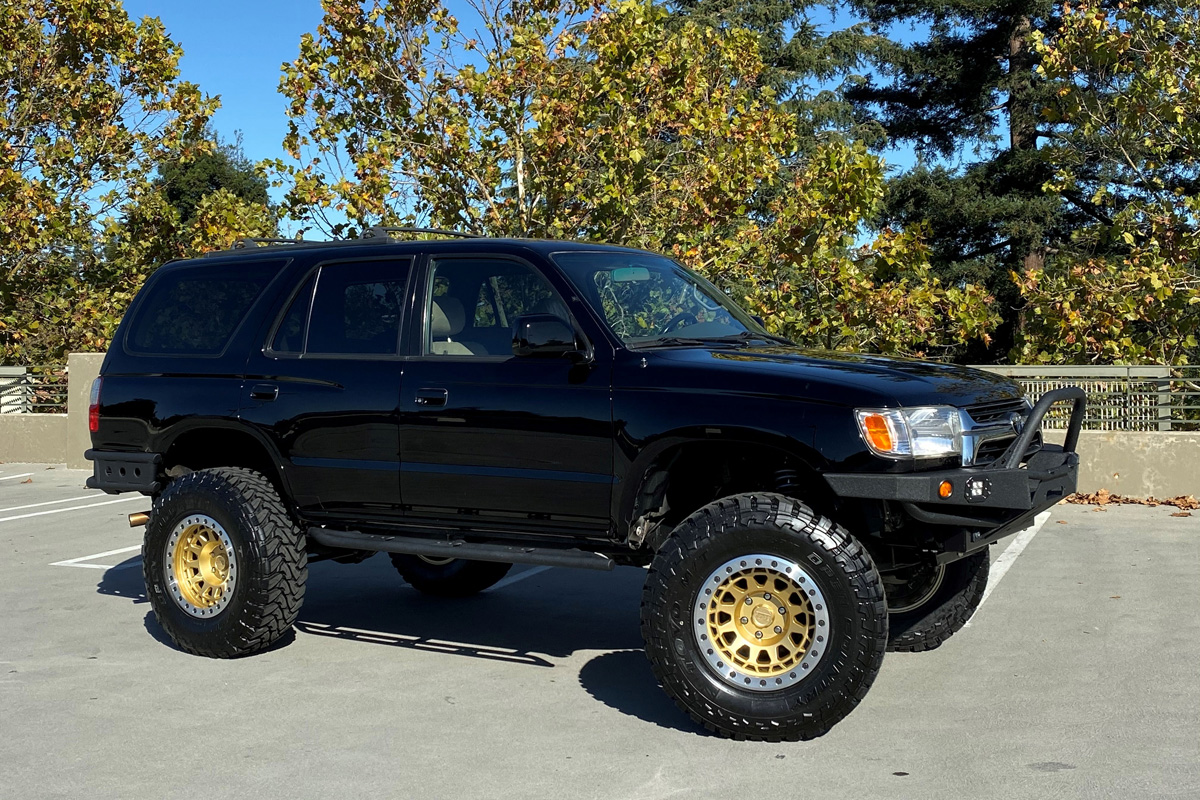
[[215, 165], [92, 102], [1126, 287], [619, 125]]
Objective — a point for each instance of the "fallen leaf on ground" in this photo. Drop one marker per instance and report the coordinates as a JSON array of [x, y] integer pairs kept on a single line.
[[27, 480], [1103, 497], [1182, 514], [1115, 597], [1061, 521]]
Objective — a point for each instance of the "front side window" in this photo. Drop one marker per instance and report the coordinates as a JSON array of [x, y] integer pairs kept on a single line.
[[356, 309], [194, 310], [473, 302], [646, 298]]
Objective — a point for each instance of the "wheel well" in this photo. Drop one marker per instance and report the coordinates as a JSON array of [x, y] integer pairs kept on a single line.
[[204, 448], [690, 476]]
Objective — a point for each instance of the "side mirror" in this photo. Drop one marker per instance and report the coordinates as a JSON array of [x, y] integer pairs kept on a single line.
[[762, 323], [544, 335]]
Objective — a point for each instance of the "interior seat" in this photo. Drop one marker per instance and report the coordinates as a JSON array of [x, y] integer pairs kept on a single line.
[[448, 320]]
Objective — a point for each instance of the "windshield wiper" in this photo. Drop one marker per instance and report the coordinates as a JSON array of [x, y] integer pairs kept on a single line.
[[749, 336], [668, 341]]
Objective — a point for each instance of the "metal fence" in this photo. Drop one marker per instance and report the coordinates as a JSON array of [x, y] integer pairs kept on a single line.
[[33, 390], [1119, 398]]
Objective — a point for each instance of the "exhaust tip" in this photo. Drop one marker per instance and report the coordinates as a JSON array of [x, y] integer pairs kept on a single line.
[[139, 519]]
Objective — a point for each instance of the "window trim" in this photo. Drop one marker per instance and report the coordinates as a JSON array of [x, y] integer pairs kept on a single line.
[[424, 300], [270, 352], [134, 313]]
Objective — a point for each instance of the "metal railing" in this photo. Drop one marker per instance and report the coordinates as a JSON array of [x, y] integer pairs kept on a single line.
[[1119, 398], [33, 390]]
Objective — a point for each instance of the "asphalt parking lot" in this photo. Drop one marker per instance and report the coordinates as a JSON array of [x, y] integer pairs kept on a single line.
[[1078, 677]]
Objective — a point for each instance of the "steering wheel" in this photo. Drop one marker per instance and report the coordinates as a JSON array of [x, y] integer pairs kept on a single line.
[[675, 320]]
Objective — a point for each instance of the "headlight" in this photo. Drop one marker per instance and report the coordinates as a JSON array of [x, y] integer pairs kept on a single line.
[[926, 432]]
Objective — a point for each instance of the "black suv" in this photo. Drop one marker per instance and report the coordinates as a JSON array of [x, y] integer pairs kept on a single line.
[[465, 404]]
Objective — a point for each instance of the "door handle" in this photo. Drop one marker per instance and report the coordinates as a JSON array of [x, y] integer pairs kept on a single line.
[[264, 391], [432, 397]]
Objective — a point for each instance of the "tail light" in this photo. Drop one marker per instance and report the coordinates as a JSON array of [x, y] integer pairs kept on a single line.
[[94, 406]]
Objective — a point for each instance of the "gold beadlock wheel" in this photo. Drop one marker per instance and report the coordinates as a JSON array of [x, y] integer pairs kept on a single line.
[[199, 566], [761, 622]]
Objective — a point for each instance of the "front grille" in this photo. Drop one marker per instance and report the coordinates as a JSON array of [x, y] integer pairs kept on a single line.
[[996, 411], [991, 449]]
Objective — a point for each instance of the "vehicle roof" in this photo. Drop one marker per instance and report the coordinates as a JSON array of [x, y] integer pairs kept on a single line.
[[356, 247]]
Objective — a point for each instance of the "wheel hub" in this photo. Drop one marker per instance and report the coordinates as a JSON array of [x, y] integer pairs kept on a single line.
[[199, 565], [761, 622]]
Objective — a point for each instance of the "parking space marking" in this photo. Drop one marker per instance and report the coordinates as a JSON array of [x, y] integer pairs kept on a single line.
[[77, 562], [1002, 564], [11, 477], [50, 503], [73, 508], [520, 576]]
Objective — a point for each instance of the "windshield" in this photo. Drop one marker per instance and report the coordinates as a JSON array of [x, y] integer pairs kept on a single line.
[[648, 299]]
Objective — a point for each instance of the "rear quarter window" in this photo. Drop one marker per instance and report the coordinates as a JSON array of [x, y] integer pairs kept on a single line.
[[195, 310]]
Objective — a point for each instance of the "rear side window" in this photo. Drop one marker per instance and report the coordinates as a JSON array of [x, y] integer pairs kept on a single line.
[[356, 309], [194, 311]]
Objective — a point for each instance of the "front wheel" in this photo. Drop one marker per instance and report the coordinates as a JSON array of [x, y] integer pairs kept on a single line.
[[764, 620], [928, 604]]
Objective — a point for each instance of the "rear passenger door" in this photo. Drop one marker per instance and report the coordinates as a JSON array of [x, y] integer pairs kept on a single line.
[[325, 387]]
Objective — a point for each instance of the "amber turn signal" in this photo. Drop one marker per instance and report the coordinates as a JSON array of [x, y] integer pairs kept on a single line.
[[945, 489], [876, 428]]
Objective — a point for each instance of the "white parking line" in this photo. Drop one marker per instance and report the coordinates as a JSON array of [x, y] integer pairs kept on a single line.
[[74, 508], [51, 502], [11, 477], [76, 562], [1002, 564], [520, 576]]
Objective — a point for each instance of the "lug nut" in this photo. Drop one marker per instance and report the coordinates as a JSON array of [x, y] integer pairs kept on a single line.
[[749, 601], [778, 629], [783, 611], [758, 634], [767, 596], [744, 620]]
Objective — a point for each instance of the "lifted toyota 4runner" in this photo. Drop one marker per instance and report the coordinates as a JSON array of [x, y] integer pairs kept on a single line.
[[465, 404]]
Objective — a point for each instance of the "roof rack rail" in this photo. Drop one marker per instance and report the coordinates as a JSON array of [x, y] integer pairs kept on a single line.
[[382, 231], [249, 242]]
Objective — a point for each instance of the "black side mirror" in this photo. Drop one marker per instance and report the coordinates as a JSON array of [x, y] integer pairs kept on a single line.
[[543, 335]]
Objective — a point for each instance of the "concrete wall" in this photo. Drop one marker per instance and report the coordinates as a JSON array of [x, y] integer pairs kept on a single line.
[[36, 438], [1136, 463], [82, 369]]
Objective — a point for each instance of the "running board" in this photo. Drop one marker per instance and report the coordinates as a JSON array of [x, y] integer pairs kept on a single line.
[[457, 548]]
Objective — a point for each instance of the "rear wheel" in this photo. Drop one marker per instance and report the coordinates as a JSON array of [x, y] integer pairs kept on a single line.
[[448, 577], [929, 603], [763, 620], [224, 563]]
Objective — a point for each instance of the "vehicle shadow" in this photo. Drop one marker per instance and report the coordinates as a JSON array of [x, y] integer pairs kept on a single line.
[[534, 621], [550, 615]]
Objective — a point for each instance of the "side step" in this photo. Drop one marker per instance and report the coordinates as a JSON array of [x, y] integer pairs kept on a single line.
[[456, 548]]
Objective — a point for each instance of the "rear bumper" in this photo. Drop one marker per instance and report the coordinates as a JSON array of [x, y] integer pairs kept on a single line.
[[115, 472], [985, 503]]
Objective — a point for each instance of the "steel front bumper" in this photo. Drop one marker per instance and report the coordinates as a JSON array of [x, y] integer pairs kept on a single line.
[[988, 502]]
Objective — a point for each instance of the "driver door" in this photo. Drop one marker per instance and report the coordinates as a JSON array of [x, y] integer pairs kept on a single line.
[[487, 436]]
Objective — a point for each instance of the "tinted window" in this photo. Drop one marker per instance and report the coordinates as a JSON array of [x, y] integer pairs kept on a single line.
[[290, 336], [195, 310], [356, 308]]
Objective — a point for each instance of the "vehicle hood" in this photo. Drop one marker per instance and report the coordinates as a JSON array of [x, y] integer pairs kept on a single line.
[[851, 379]]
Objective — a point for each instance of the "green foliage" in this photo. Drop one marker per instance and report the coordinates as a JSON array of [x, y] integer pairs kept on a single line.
[[1125, 288], [93, 106], [625, 126], [216, 165]]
